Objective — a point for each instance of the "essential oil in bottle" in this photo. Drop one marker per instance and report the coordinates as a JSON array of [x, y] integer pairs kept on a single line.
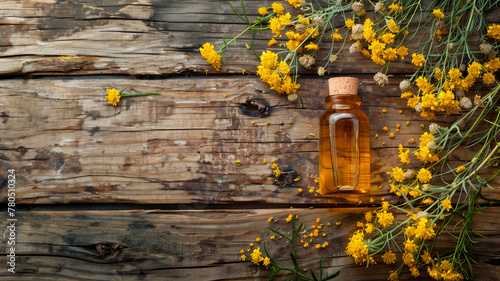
[[344, 140]]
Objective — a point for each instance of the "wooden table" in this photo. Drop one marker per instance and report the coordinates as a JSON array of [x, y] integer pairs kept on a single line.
[[149, 189]]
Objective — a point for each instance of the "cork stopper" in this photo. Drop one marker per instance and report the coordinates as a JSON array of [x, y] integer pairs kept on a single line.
[[343, 86]]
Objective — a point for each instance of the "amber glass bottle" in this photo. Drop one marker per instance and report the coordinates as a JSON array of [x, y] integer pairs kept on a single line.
[[344, 140]]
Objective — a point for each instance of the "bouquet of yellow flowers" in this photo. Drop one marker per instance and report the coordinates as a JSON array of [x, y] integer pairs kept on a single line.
[[447, 65]]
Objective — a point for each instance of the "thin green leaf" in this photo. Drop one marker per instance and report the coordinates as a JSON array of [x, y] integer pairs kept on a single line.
[[245, 12], [279, 233], [332, 276], [313, 275], [236, 12], [321, 268], [294, 261]]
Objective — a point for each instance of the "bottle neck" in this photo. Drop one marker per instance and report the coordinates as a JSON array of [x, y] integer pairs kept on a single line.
[[343, 101]]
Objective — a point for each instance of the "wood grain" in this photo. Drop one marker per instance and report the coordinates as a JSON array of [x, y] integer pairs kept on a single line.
[[149, 189], [69, 146], [148, 37], [194, 244]]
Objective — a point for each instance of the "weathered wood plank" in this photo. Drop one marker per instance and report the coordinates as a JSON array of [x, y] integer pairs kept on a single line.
[[195, 244], [68, 145], [147, 37]]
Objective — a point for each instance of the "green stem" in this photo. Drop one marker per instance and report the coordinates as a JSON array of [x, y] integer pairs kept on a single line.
[[137, 95]]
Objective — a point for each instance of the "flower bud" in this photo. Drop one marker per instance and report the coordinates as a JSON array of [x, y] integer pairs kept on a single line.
[[378, 7], [492, 55], [425, 187], [478, 101], [409, 174], [433, 128], [460, 93], [404, 85], [292, 96], [451, 46], [485, 49], [418, 108], [381, 79], [357, 28], [319, 21], [354, 48], [333, 57], [321, 71], [300, 28], [422, 214], [432, 145], [306, 61], [465, 103], [462, 67], [357, 7]]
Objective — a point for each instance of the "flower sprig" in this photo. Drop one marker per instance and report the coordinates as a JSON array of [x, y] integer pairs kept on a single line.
[[304, 33], [271, 263], [427, 198], [114, 95]]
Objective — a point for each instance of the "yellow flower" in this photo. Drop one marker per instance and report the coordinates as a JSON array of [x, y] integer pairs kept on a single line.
[[395, 8], [393, 26], [393, 276], [460, 169], [492, 65], [113, 96], [207, 51], [454, 74], [368, 216], [369, 34], [311, 46], [263, 11], [385, 218], [386, 38], [336, 36], [488, 78], [357, 247], [385, 205], [414, 271], [349, 23], [256, 256], [404, 155], [278, 8], [272, 42], [426, 257], [494, 31], [368, 228], [417, 59], [267, 261], [402, 52], [398, 174], [438, 14], [474, 69], [427, 201], [408, 259], [424, 175], [389, 257], [446, 204], [410, 246], [295, 3]]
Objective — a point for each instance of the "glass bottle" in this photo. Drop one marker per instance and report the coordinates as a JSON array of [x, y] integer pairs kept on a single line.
[[344, 140]]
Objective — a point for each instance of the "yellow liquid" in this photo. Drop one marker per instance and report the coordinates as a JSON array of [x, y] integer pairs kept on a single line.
[[346, 166]]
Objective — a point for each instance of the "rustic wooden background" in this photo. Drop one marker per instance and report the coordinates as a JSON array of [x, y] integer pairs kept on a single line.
[[149, 190]]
